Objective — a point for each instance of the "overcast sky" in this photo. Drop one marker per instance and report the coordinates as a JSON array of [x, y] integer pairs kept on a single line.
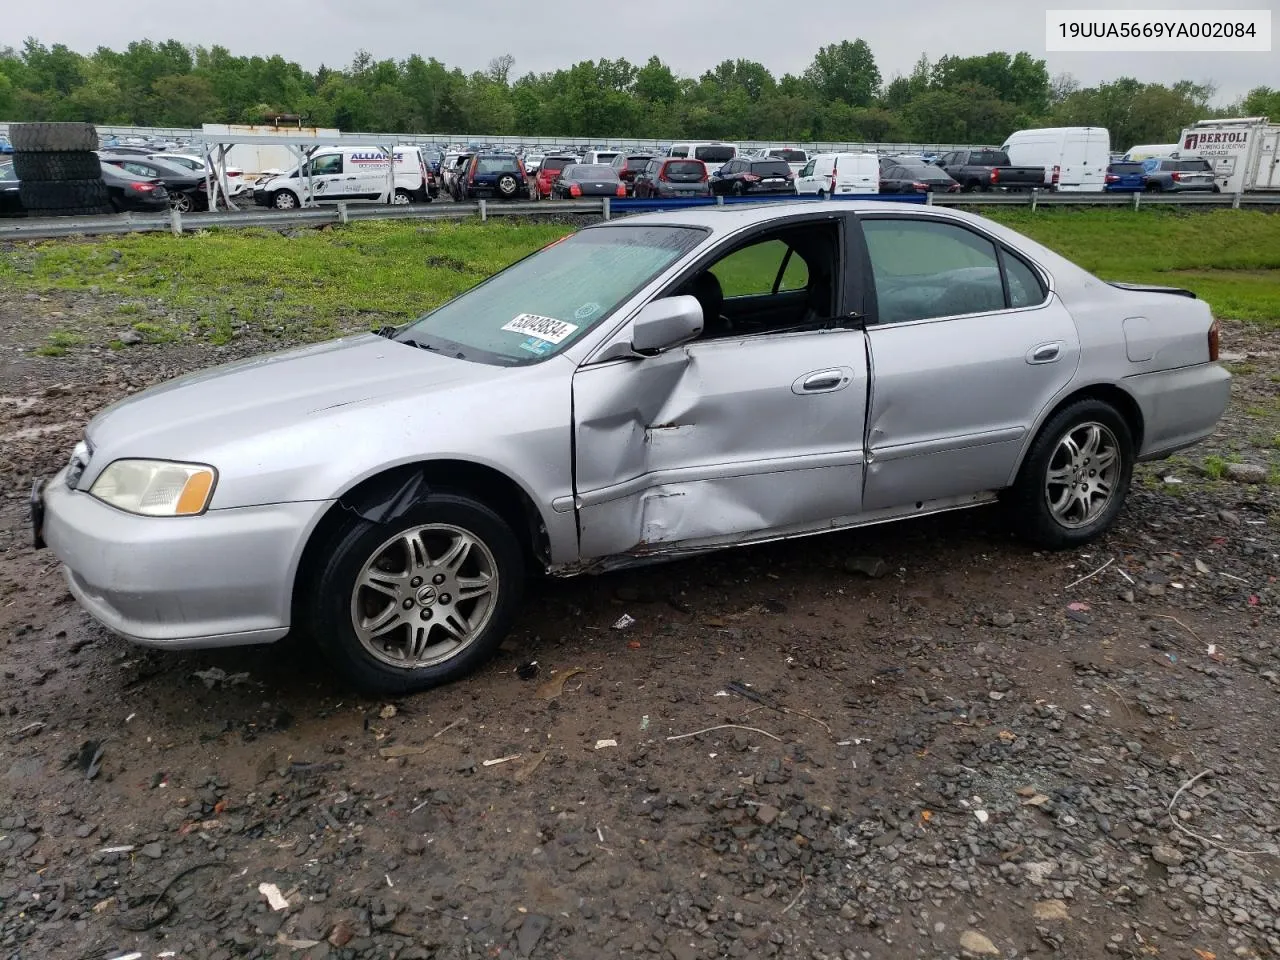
[[780, 34]]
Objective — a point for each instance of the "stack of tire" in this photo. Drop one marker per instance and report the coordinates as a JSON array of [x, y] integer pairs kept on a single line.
[[59, 173]]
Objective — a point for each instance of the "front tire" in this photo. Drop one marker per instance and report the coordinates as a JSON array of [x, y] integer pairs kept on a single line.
[[420, 600], [284, 200], [1075, 477]]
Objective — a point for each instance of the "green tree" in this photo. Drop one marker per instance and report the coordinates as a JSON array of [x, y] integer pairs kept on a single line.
[[845, 71]]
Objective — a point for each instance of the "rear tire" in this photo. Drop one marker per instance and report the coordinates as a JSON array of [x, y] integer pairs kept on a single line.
[[401, 197], [1057, 500], [378, 595], [53, 137], [43, 165]]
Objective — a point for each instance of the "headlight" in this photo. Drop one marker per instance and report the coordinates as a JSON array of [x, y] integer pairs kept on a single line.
[[156, 488]]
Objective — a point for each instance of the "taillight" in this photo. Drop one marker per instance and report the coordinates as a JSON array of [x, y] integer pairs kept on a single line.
[[920, 187], [621, 191], [995, 175], [142, 187], [1176, 177], [751, 177], [1111, 178], [1213, 341], [1057, 173], [575, 190]]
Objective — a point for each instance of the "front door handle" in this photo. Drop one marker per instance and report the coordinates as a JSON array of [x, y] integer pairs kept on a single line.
[[823, 381], [1045, 353]]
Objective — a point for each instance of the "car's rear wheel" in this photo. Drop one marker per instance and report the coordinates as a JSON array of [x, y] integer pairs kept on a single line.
[[181, 202], [822, 194], [738, 188], [420, 600], [1075, 477], [401, 197]]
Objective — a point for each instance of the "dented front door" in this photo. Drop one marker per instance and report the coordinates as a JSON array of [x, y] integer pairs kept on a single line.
[[719, 441]]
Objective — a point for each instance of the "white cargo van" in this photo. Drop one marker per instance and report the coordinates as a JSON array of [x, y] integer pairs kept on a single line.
[[350, 174], [713, 153], [1075, 159], [1147, 151], [1244, 152], [600, 156], [831, 174]]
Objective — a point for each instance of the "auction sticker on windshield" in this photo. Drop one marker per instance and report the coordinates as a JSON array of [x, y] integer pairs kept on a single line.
[[544, 328]]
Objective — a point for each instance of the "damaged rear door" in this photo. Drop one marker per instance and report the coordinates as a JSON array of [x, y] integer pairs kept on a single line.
[[720, 441]]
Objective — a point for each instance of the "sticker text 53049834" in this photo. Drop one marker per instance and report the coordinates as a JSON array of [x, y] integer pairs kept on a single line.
[[544, 328]]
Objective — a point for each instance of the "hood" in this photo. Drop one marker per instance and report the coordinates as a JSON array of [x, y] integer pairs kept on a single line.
[[251, 398]]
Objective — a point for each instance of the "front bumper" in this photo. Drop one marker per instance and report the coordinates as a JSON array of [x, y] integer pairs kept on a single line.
[[219, 579]]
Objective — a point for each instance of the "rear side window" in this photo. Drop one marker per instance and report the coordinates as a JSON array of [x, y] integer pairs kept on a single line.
[[986, 158], [925, 269], [1025, 287], [679, 151]]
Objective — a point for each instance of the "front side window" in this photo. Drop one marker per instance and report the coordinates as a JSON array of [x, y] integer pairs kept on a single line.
[[924, 269], [332, 163], [540, 305], [753, 271], [808, 169]]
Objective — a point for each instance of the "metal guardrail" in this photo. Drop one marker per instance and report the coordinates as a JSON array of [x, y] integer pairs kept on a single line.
[[179, 223]]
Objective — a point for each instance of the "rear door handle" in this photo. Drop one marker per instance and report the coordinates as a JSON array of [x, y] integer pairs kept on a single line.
[[1045, 353], [823, 381]]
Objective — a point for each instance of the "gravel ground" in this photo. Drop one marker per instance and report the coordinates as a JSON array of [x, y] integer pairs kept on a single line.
[[944, 743]]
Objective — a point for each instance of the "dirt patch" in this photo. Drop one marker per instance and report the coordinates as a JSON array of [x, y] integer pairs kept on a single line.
[[979, 747]]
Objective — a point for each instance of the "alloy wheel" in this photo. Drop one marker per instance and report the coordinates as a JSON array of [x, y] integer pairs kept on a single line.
[[1082, 474], [424, 596]]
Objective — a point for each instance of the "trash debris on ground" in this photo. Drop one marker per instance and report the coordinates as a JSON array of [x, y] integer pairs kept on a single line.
[[388, 712], [1171, 479], [449, 726], [1078, 605], [624, 621], [527, 671], [274, 897], [554, 686], [507, 759], [88, 759], [644, 723], [525, 772], [982, 816], [1050, 910], [744, 690], [215, 676], [872, 567], [601, 744], [1201, 566]]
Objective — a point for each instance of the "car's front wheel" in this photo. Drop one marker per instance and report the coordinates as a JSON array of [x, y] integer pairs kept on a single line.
[[419, 600], [1075, 477], [284, 200]]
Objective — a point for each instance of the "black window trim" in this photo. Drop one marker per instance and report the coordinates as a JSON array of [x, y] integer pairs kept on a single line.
[[871, 311]]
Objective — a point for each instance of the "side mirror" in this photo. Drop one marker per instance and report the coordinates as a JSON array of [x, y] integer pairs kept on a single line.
[[663, 324]]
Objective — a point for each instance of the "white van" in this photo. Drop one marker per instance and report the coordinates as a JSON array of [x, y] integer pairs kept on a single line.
[[351, 174], [601, 156], [1075, 159], [711, 152], [1243, 151], [1145, 151], [831, 174]]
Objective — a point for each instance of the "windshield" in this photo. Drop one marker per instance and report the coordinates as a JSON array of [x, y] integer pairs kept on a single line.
[[6, 172], [590, 171], [923, 171], [791, 156], [496, 165], [771, 168], [538, 306], [714, 154]]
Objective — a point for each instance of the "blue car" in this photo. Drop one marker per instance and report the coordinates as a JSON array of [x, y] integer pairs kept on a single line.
[[5, 145], [1125, 177]]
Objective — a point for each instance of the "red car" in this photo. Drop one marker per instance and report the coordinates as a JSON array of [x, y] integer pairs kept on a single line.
[[549, 171], [673, 177], [628, 166]]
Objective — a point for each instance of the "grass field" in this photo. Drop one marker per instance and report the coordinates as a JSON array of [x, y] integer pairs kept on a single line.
[[317, 283]]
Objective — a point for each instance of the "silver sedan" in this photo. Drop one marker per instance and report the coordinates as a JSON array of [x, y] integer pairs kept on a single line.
[[652, 387]]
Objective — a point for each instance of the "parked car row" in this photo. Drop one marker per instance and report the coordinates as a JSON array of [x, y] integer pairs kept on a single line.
[[126, 191], [1161, 175]]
